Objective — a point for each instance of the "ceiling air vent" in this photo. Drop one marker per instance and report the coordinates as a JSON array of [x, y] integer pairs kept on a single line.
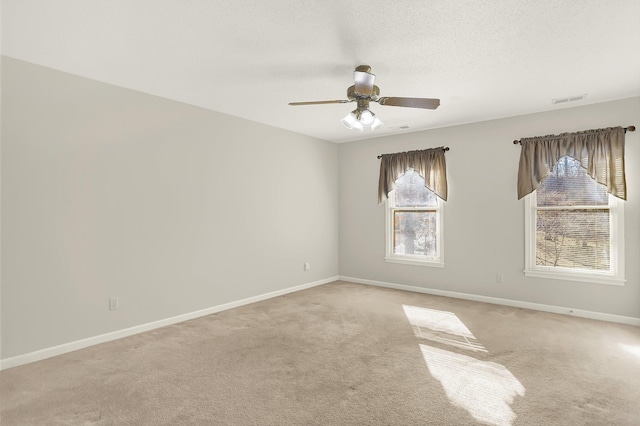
[[568, 99], [398, 128]]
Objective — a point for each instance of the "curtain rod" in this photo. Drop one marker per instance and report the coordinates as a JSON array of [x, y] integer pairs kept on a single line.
[[626, 129], [445, 149]]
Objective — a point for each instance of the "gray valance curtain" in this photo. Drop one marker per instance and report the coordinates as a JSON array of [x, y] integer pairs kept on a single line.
[[429, 163], [600, 152]]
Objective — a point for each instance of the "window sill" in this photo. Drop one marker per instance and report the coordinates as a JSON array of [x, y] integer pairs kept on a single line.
[[417, 262], [575, 276]]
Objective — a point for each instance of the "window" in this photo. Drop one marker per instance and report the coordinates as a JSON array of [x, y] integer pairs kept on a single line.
[[574, 228], [414, 223]]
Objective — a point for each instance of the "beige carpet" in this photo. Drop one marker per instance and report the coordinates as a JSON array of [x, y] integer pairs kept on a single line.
[[343, 354]]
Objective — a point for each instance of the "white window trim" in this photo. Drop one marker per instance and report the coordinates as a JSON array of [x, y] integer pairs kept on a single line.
[[614, 277], [390, 256]]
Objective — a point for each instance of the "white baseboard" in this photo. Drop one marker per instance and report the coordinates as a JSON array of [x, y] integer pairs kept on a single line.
[[507, 302], [107, 337]]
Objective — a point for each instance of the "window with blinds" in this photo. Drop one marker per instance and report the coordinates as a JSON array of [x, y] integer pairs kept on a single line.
[[572, 221]]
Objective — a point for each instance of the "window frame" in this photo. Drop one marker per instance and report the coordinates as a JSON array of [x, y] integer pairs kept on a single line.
[[409, 259], [615, 276]]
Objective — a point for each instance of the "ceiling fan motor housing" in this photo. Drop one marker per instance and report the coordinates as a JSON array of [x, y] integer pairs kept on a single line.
[[363, 100]]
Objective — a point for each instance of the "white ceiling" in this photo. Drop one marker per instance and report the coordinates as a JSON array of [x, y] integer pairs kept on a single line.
[[249, 58]]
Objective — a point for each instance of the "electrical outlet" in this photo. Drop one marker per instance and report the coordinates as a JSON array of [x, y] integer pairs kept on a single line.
[[499, 278], [307, 266], [113, 303]]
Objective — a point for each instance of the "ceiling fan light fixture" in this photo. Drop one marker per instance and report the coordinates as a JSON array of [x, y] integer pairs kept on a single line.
[[350, 120], [357, 126], [367, 118], [377, 123], [358, 119]]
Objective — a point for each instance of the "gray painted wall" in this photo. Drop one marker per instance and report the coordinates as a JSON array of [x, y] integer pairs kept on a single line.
[[171, 208], [484, 221]]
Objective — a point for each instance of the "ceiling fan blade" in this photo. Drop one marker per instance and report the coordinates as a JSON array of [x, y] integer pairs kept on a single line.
[[425, 103], [363, 80], [341, 101]]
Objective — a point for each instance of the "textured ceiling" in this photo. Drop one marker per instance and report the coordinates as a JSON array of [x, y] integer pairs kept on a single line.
[[249, 58]]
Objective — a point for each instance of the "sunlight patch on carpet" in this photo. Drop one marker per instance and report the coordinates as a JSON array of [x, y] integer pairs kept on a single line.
[[485, 389], [632, 349], [442, 327]]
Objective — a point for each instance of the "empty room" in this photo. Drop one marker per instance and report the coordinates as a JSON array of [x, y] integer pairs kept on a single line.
[[319, 212]]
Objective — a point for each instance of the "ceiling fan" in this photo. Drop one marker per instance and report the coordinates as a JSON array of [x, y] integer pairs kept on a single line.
[[363, 92]]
